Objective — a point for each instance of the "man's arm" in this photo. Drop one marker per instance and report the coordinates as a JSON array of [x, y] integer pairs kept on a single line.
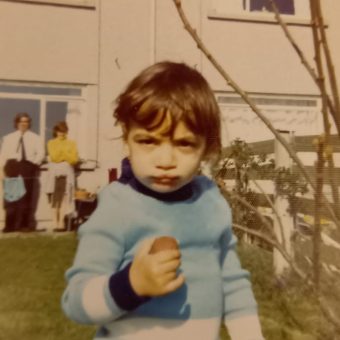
[[40, 151], [3, 146]]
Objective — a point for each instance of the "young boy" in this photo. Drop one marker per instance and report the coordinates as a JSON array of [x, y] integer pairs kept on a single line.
[[14, 192], [171, 123]]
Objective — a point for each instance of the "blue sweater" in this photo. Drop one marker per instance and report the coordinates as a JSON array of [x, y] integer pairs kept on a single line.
[[216, 287]]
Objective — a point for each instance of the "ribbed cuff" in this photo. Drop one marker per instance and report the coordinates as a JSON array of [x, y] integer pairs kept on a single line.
[[122, 291]]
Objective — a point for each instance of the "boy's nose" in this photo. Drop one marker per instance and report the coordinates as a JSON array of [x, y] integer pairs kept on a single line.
[[165, 157]]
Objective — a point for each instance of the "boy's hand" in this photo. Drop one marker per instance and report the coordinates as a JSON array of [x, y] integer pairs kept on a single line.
[[155, 274]]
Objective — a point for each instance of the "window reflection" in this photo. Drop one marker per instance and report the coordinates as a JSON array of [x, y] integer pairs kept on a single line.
[[284, 6], [9, 107]]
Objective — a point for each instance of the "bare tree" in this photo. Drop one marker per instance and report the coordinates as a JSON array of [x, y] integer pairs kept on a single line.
[[330, 106]]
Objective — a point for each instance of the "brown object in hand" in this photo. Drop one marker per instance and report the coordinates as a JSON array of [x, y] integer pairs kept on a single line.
[[163, 243]]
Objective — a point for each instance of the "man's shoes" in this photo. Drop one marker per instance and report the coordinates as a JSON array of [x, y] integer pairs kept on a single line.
[[32, 230], [59, 230], [27, 230], [9, 230]]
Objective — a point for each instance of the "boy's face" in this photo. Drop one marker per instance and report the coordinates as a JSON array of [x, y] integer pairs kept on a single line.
[[161, 161]]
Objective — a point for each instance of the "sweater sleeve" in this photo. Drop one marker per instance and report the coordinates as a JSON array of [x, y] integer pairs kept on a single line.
[[39, 151], [87, 297], [240, 311]]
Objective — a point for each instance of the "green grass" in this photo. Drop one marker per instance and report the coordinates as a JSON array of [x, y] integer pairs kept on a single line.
[[32, 281], [31, 284], [288, 310]]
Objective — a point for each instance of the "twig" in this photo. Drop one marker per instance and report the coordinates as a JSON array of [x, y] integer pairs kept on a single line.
[[321, 81], [330, 315], [252, 208], [274, 211], [319, 167], [249, 101], [278, 246], [317, 28], [329, 63], [304, 61]]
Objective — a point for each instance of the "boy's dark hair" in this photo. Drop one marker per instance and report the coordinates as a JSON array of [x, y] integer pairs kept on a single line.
[[60, 127], [20, 115], [176, 89]]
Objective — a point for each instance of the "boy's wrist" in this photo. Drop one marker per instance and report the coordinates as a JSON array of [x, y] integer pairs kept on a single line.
[[122, 291]]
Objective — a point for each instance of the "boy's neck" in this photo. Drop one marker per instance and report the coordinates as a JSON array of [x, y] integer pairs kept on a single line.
[[180, 194]]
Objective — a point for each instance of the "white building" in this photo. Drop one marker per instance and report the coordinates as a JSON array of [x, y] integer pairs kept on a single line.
[[69, 59]]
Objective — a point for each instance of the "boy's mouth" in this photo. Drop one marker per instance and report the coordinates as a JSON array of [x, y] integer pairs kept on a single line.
[[165, 180]]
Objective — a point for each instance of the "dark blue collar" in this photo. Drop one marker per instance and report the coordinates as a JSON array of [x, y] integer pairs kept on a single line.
[[127, 177]]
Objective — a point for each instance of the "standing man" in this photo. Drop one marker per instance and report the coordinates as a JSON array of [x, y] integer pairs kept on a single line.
[[26, 149]]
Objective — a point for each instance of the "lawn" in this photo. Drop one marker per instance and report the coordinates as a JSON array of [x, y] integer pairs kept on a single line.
[[31, 283]]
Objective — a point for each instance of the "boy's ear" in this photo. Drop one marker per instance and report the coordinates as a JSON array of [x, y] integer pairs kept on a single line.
[[126, 150], [125, 131]]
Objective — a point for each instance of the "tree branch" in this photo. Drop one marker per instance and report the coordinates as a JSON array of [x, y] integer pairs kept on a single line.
[[274, 211], [278, 246], [249, 101], [304, 61]]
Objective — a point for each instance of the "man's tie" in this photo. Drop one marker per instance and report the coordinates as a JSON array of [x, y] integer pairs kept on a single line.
[[22, 145]]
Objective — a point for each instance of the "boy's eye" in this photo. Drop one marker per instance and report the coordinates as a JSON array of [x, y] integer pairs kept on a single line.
[[146, 141], [186, 144]]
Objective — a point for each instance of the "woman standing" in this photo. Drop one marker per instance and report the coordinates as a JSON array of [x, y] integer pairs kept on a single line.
[[62, 156]]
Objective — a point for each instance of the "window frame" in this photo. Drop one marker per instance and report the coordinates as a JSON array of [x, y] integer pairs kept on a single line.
[[219, 9], [233, 108]]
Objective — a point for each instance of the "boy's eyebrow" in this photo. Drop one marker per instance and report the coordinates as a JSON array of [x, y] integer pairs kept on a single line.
[[190, 137], [151, 134], [145, 134]]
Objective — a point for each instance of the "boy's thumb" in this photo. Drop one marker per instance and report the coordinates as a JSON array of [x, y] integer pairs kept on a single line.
[[145, 246]]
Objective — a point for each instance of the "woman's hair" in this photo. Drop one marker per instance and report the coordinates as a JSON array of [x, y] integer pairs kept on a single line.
[[60, 127], [20, 115], [174, 89]]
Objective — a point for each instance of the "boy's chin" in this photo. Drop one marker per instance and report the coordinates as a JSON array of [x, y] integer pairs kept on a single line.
[[162, 188]]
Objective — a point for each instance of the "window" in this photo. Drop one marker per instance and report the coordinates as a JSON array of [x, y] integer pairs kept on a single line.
[[48, 105], [284, 6], [291, 113], [75, 3], [260, 10]]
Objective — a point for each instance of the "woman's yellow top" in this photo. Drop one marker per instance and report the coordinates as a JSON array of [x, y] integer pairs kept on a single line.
[[62, 150]]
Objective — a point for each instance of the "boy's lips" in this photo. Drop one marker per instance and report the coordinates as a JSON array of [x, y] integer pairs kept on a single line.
[[165, 179]]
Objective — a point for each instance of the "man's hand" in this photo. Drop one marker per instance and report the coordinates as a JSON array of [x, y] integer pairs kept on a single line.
[[155, 274]]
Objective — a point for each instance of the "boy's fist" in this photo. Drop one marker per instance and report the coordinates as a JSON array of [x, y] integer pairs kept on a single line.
[[163, 243], [153, 271]]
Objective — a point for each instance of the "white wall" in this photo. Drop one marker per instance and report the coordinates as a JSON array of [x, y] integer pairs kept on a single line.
[[110, 44], [126, 42], [48, 43]]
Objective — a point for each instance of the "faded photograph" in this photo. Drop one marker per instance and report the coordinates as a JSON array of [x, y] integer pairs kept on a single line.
[[169, 169]]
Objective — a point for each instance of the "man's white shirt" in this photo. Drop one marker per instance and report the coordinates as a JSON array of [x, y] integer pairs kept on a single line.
[[11, 148]]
